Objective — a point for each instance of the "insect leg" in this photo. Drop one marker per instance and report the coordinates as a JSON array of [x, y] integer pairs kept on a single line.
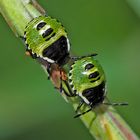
[[78, 115], [49, 70], [61, 87], [116, 104], [79, 106], [70, 94]]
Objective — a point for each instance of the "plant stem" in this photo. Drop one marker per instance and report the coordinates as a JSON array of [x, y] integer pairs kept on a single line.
[[18, 13], [104, 123]]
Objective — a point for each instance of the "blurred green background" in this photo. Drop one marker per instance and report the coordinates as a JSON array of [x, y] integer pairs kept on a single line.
[[31, 109]]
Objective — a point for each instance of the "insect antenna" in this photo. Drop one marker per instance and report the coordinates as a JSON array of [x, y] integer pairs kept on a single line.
[[116, 104]]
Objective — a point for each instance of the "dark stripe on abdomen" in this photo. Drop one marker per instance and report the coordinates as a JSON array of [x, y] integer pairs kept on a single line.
[[57, 51], [95, 95]]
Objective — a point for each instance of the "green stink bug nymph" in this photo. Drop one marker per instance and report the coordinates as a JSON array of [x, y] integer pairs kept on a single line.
[[87, 80], [47, 39]]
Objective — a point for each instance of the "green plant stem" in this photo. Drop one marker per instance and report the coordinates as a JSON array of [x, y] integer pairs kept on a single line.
[[104, 123], [18, 13]]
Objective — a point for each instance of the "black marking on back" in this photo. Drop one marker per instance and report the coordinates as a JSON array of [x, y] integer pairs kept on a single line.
[[95, 80], [24, 32], [89, 66], [93, 75], [95, 95], [58, 51], [33, 55], [41, 25], [70, 80], [71, 68], [72, 86], [23, 38], [70, 74], [27, 45], [57, 21], [47, 32], [75, 91], [50, 37]]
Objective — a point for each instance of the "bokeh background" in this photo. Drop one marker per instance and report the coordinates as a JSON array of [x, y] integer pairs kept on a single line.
[[31, 109]]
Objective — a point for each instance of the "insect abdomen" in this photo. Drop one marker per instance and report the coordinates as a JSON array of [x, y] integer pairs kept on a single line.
[[95, 95]]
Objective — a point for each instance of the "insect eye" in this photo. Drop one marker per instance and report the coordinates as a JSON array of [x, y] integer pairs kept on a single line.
[[89, 66], [40, 25], [93, 75]]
